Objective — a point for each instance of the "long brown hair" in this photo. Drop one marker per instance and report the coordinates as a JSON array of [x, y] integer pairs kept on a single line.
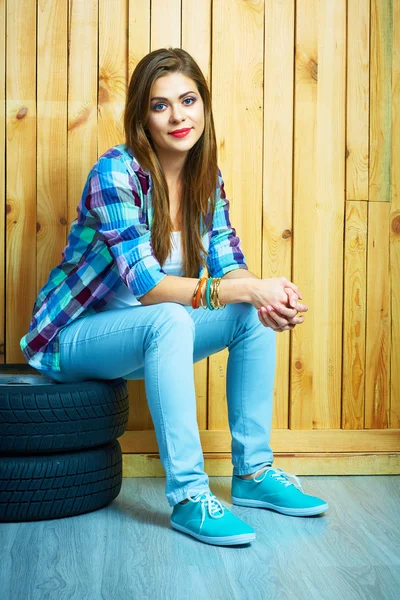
[[200, 170]]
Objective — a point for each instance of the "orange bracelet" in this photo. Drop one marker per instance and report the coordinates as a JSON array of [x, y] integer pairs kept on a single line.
[[197, 293], [202, 284]]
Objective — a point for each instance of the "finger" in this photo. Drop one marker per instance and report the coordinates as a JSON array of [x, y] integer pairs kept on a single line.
[[266, 321], [279, 320], [293, 286], [297, 305], [302, 307], [296, 320], [269, 322], [292, 297], [284, 311]]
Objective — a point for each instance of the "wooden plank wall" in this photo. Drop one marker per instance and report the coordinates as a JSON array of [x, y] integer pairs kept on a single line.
[[306, 102]]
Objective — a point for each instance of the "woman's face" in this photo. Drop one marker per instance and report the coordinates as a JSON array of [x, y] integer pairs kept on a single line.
[[175, 103]]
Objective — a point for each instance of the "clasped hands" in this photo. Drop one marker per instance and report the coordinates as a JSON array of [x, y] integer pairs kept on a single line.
[[283, 316]]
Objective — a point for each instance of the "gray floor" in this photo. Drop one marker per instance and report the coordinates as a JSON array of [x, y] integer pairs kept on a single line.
[[128, 549]]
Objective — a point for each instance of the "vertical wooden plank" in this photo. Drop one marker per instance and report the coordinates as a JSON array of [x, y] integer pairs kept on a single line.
[[302, 385], [380, 105], [138, 46], [196, 33], [355, 279], [394, 420], [138, 32], [2, 177], [113, 72], [165, 24], [357, 143], [52, 210], [82, 97], [237, 86], [196, 39], [319, 212], [378, 317], [277, 174], [21, 291]]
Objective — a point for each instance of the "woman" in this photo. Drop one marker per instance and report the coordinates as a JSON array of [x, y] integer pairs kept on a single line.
[[125, 299]]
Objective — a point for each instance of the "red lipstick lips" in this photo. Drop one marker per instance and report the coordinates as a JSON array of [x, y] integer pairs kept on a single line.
[[179, 133]]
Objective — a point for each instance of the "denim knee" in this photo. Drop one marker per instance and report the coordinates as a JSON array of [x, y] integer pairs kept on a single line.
[[172, 313], [247, 316], [246, 313]]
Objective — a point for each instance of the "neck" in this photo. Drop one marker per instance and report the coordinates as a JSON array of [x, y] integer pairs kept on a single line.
[[172, 166]]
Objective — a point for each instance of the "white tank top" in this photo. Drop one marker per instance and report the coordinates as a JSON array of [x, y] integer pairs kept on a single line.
[[172, 266]]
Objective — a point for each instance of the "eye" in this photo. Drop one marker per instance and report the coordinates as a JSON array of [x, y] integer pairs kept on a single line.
[[159, 104], [190, 98]]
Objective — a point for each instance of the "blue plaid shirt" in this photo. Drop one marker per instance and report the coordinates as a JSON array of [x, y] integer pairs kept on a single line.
[[109, 242]]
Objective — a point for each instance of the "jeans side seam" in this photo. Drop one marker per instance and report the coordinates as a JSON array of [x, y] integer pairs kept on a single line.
[[167, 462], [97, 337], [241, 401]]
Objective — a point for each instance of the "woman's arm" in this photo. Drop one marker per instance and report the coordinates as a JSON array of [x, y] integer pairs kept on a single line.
[[240, 274], [180, 290], [113, 207], [225, 259]]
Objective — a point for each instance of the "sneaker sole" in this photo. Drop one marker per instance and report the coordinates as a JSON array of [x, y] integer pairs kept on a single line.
[[293, 512], [230, 540]]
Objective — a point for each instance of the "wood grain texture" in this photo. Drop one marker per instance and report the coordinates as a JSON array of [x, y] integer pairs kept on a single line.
[[277, 175], [354, 315], [165, 24], [394, 418], [82, 98], [196, 33], [138, 32], [52, 130], [378, 318], [113, 73], [302, 384], [284, 440], [21, 142], [358, 93], [129, 550], [302, 463], [318, 213], [380, 99]]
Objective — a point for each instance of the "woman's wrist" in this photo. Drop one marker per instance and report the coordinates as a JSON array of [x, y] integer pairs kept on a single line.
[[232, 291]]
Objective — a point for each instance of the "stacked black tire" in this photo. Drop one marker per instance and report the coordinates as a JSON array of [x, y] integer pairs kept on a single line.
[[59, 453]]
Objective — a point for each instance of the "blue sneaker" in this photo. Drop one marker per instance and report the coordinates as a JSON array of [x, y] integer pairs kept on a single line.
[[275, 491], [205, 518]]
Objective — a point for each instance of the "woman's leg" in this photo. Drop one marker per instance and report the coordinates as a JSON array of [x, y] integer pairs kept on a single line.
[[249, 383], [156, 340], [249, 378]]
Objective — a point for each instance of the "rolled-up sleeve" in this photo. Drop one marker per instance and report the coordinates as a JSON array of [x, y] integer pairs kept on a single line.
[[224, 253], [114, 207]]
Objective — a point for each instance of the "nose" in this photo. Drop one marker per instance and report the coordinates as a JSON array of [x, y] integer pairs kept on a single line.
[[177, 114]]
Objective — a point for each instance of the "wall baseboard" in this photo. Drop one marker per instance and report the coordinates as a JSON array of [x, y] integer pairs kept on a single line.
[[220, 465]]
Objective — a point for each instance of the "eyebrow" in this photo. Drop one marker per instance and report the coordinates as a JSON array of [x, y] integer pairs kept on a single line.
[[162, 97]]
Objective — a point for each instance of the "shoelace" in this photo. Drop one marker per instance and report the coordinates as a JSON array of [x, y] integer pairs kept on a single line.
[[214, 506], [280, 476]]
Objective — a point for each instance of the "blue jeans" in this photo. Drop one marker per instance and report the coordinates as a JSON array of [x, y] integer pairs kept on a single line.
[[159, 343]]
